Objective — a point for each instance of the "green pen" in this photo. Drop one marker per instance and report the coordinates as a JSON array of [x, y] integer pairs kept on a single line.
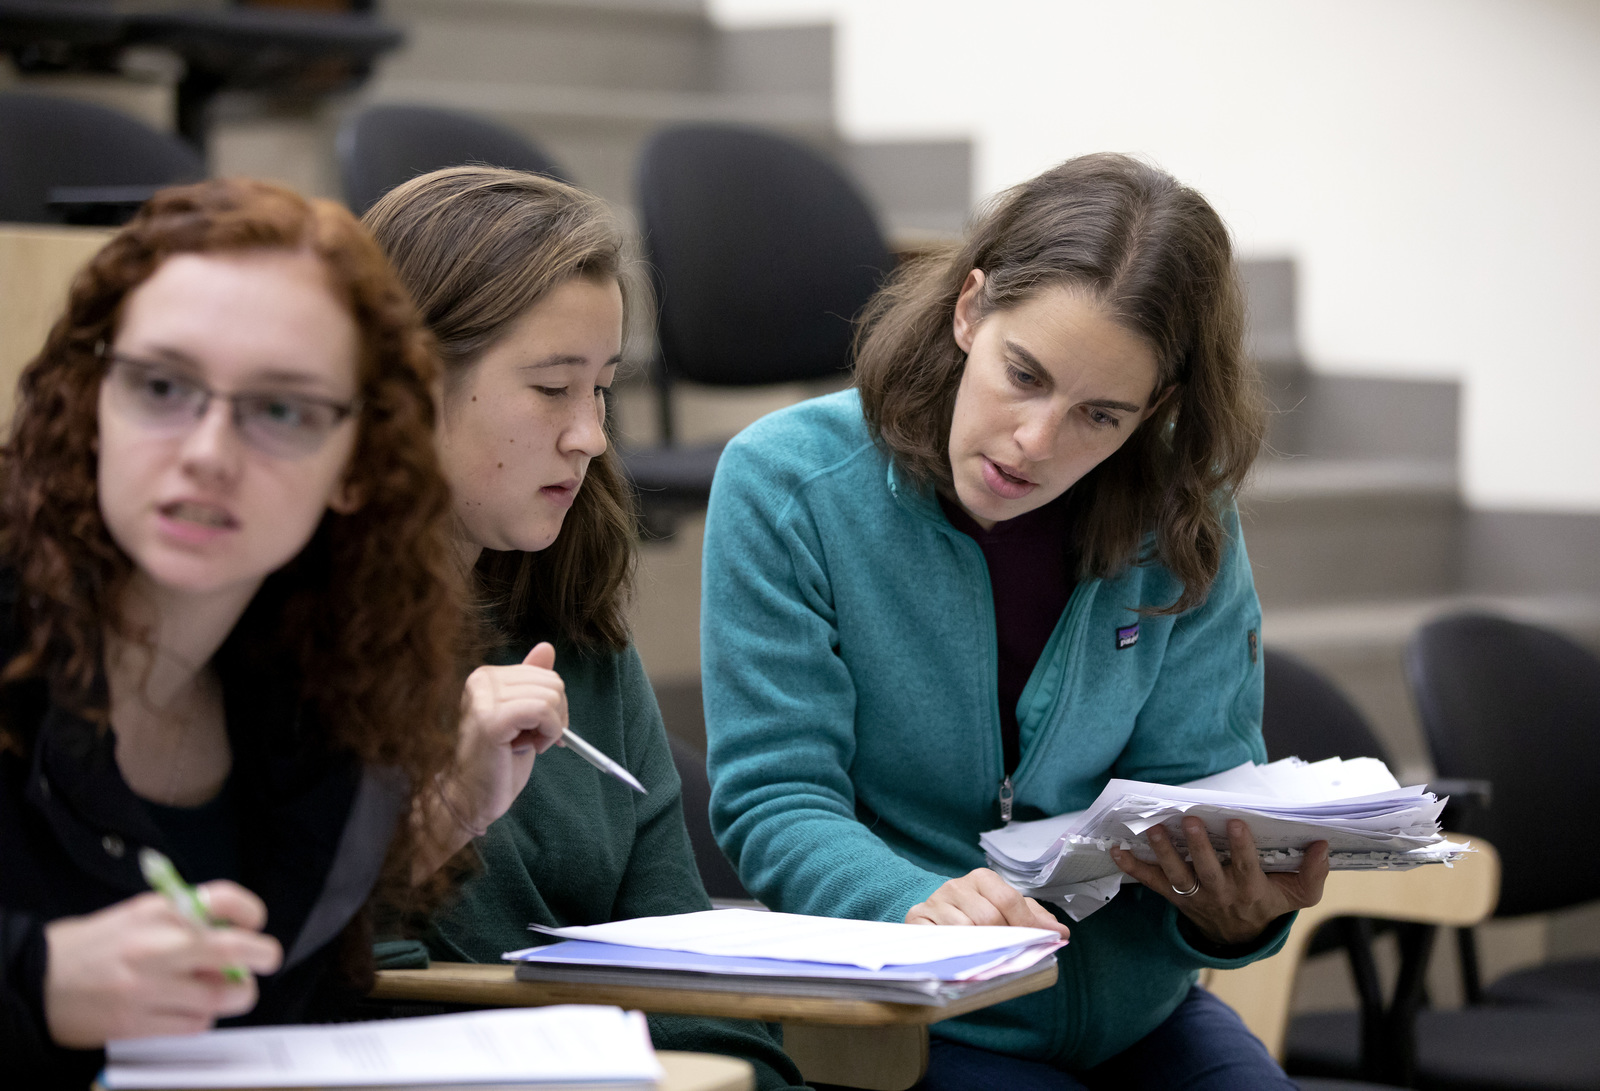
[[165, 880]]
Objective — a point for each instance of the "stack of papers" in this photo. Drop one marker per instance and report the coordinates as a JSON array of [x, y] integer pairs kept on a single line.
[[552, 1049], [1367, 818], [744, 950]]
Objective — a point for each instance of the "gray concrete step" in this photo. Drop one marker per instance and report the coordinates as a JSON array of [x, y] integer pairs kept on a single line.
[[1323, 532], [587, 79], [597, 133], [591, 81], [1338, 416], [1357, 496], [623, 46]]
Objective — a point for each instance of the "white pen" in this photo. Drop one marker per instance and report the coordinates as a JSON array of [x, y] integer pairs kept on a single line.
[[572, 741]]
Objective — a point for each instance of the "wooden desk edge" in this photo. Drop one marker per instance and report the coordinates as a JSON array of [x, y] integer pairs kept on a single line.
[[496, 986], [689, 1071], [705, 1071]]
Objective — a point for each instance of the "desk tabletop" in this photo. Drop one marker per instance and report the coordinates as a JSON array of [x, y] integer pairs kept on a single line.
[[684, 1072], [705, 1072], [497, 986]]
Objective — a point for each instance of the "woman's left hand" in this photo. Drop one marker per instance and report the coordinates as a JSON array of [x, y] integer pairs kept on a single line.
[[1234, 902]]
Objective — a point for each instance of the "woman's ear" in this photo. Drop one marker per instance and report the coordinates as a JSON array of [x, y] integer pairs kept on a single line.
[[965, 323], [346, 497], [1158, 401]]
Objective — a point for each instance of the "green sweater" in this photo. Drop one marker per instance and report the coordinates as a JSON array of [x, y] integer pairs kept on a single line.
[[852, 713], [577, 847]]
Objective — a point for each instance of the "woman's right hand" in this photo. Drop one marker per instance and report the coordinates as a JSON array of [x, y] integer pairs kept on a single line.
[[982, 897], [139, 968], [509, 716]]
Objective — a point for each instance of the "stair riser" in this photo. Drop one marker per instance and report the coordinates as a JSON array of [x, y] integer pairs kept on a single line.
[[1341, 548], [550, 44]]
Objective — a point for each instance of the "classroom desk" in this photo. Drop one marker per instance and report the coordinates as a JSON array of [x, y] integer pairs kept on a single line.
[[705, 1072], [687, 1072], [856, 1043], [238, 48]]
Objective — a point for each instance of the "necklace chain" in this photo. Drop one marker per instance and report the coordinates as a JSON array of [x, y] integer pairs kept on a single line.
[[178, 756]]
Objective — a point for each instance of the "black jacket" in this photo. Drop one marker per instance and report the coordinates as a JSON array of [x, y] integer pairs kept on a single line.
[[313, 829]]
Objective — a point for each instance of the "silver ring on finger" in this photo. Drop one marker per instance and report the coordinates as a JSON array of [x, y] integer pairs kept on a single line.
[[1193, 886]]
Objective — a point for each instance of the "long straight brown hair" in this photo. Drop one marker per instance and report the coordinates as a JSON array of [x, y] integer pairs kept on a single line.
[[1157, 257], [477, 247]]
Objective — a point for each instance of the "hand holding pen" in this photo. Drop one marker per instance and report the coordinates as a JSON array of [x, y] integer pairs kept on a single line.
[[544, 656], [140, 967], [165, 880], [510, 715]]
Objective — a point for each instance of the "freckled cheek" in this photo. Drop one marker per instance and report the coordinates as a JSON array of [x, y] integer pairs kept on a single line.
[[970, 432], [1086, 454], [493, 447], [1114, 441]]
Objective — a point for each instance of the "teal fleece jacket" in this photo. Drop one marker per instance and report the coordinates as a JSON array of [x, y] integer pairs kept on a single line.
[[849, 659], [578, 847]]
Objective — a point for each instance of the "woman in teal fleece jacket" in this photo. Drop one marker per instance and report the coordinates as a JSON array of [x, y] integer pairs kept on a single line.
[[524, 281], [1004, 569]]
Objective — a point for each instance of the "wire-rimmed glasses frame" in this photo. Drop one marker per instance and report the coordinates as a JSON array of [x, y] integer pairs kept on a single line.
[[167, 400]]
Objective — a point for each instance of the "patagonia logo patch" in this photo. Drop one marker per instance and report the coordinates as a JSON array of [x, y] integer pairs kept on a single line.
[[1127, 636]]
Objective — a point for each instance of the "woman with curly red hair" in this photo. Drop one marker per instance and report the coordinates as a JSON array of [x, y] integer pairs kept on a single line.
[[228, 623]]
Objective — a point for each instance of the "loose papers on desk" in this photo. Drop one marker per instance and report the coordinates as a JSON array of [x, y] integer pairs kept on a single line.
[[552, 1049], [1369, 821], [790, 954]]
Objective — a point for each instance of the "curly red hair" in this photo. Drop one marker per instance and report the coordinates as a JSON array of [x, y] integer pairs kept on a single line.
[[368, 614]]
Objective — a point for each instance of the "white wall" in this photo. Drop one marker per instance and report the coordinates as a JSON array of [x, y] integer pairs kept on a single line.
[[1433, 165]]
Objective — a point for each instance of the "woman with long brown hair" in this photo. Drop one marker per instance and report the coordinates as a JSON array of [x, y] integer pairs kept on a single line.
[[1003, 569], [526, 285], [229, 620]]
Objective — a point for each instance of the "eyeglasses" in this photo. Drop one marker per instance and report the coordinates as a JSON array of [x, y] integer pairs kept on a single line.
[[163, 399]]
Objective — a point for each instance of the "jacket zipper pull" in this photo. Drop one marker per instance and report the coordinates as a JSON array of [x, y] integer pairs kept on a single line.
[[1005, 799]]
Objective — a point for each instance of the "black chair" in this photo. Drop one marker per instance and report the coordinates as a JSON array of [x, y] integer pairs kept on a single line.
[[763, 252], [720, 880], [63, 161], [382, 146], [1402, 1041], [1306, 716], [1519, 705]]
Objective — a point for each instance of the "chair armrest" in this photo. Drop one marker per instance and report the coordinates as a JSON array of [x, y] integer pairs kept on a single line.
[[1460, 895], [1473, 793], [1469, 800]]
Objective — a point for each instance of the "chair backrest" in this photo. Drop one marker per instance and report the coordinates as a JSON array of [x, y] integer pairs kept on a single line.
[[382, 146], [1519, 706], [763, 252], [1306, 716], [720, 880], [49, 143]]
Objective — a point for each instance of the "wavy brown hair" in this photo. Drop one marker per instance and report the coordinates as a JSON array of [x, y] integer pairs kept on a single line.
[[478, 247], [367, 615], [1156, 256]]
